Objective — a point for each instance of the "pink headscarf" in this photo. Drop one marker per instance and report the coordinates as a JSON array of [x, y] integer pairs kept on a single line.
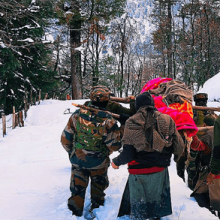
[[153, 84]]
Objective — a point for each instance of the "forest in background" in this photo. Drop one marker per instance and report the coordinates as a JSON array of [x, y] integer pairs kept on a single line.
[[58, 47]]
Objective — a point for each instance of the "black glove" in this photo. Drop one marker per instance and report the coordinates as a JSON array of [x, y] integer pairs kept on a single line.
[[123, 118]]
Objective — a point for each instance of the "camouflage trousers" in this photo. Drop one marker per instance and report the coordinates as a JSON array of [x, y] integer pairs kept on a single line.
[[79, 182], [192, 165]]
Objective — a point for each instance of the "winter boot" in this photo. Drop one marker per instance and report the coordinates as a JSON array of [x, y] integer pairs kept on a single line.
[[74, 211]]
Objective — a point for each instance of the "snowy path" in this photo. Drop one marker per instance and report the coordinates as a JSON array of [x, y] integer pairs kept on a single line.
[[35, 173]]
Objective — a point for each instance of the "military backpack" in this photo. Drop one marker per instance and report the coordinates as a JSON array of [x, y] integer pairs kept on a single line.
[[90, 131]]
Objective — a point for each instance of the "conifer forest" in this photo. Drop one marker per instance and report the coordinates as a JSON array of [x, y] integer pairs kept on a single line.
[[60, 47]]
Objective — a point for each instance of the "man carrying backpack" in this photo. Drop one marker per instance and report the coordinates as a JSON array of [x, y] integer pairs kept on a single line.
[[89, 137], [117, 108]]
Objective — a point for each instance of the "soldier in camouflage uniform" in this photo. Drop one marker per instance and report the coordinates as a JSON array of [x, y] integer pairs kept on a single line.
[[117, 108], [199, 115], [89, 137]]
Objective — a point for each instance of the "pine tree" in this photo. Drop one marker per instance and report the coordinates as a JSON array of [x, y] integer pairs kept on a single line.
[[23, 51]]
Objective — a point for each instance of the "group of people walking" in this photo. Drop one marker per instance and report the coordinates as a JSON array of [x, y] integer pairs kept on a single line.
[[148, 139]]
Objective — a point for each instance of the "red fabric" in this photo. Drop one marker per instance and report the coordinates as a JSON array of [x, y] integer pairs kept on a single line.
[[146, 170], [143, 170], [153, 84], [158, 102], [133, 162], [217, 176], [198, 145], [185, 107], [182, 120], [181, 114]]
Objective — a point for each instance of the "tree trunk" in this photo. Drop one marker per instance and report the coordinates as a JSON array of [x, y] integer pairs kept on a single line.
[[169, 40], [75, 57]]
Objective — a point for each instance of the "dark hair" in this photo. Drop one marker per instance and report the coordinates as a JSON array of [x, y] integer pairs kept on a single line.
[[144, 99]]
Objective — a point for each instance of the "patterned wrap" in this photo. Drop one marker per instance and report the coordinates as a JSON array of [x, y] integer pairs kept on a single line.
[[89, 161], [173, 92], [138, 126]]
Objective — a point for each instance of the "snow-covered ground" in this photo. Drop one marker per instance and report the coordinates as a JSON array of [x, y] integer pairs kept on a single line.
[[35, 172], [212, 88]]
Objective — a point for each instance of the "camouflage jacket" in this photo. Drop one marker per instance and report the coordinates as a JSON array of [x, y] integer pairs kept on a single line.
[[117, 108], [86, 158]]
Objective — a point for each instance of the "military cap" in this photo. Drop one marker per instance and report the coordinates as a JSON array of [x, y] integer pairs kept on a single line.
[[201, 96], [99, 94], [100, 87]]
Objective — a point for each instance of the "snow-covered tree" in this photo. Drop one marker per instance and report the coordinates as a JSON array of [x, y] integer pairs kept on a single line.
[[24, 50], [87, 22]]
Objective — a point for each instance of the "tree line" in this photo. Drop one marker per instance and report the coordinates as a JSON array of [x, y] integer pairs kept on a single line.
[[187, 39], [59, 47]]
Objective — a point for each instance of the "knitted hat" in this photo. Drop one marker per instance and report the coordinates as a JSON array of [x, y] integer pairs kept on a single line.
[[209, 120], [144, 99]]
